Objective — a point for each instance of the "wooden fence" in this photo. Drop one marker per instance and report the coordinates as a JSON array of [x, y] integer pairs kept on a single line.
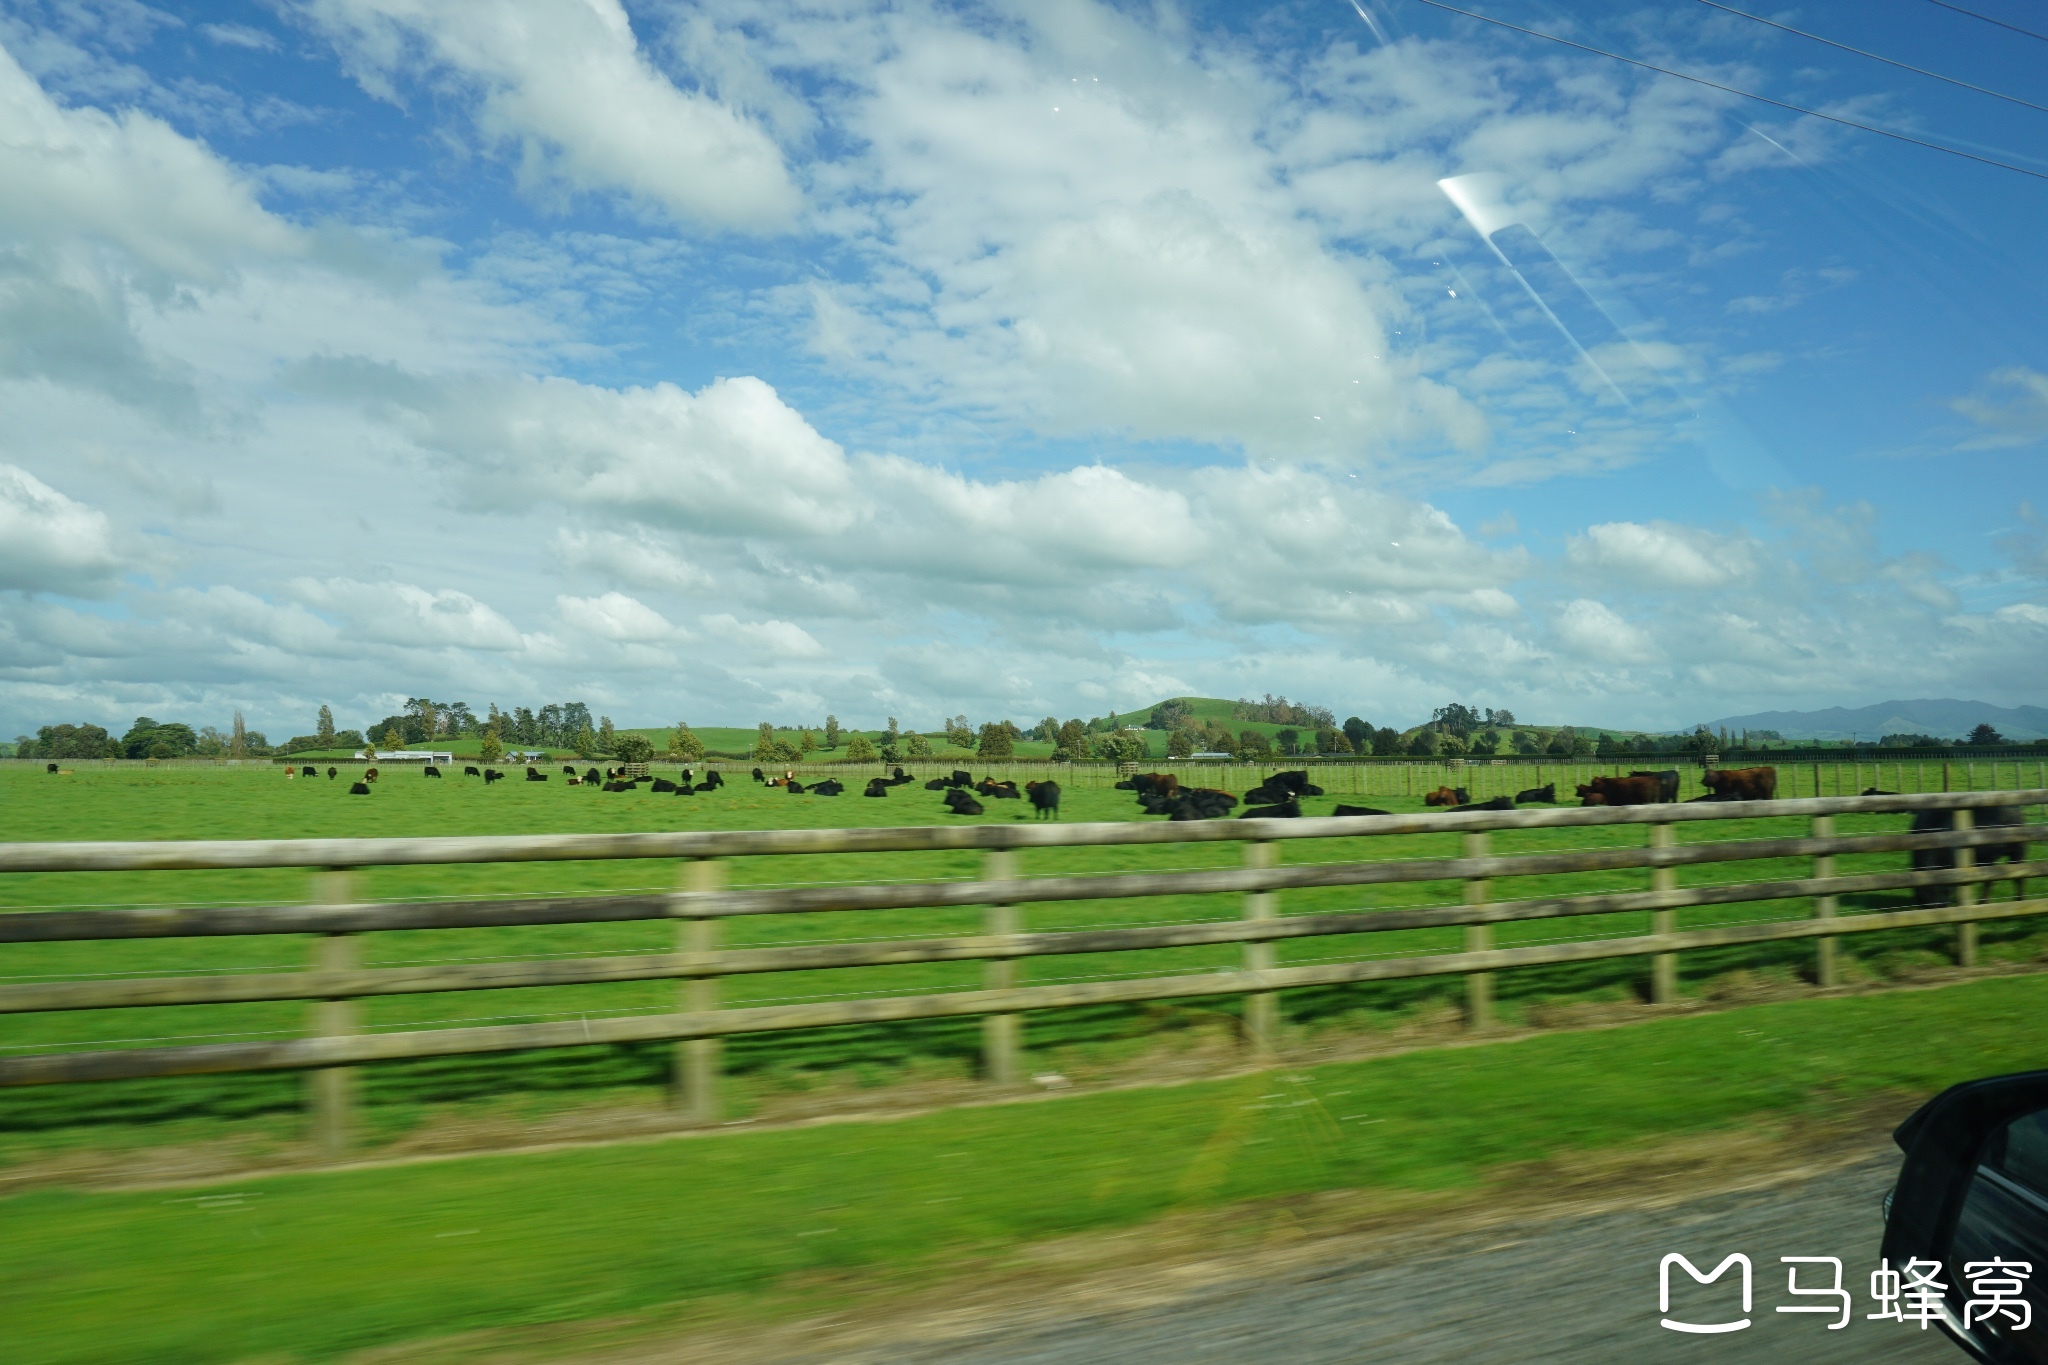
[[334, 915]]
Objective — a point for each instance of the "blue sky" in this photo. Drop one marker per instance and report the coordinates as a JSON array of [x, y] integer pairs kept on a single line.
[[727, 362]]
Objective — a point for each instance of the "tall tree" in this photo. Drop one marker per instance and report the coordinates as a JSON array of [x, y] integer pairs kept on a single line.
[[238, 742], [831, 732], [323, 728]]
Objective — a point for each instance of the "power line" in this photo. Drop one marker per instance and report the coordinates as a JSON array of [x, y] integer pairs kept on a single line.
[[1989, 20], [1731, 90], [1903, 66]]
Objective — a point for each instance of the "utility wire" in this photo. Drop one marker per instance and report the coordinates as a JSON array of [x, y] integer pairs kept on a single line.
[[1989, 20], [1844, 47], [1731, 90]]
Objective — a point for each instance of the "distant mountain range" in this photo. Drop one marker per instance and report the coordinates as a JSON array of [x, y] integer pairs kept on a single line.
[[1944, 718]]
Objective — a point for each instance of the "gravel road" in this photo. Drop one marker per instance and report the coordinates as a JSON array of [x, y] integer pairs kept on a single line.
[[1581, 1289]]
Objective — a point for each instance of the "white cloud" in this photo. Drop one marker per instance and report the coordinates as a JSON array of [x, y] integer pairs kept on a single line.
[[1632, 554], [566, 82], [615, 616], [636, 560], [2011, 407], [406, 614], [48, 543], [765, 639], [1592, 631]]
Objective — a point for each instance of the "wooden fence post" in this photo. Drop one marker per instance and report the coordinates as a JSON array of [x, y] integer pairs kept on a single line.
[[1001, 1034], [1824, 907], [1966, 932], [331, 1091], [694, 1089], [1663, 966], [1478, 939], [1261, 1010]]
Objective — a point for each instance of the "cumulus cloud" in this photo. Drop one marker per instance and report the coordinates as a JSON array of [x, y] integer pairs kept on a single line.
[[407, 614], [637, 560], [48, 543], [565, 81], [1592, 631], [615, 616], [764, 639], [1660, 554]]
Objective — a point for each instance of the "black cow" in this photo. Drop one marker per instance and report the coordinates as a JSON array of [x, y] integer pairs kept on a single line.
[[1360, 810], [532, 776], [492, 775], [662, 784], [712, 781], [794, 787], [831, 786], [1279, 810], [330, 774], [877, 786], [471, 771], [1002, 791], [1497, 803], [899, 774], [1933, 859], [568, 770], [961, 778], [591, 777], [309, 772], [1198, 803], [430, 771], [938, 784], [359, 789], [1874, 791], [1667, 783], [617, 786], [960, 803], [50, 768], [1280, 786], [1545, 795], [1045, 799], [760, 776]]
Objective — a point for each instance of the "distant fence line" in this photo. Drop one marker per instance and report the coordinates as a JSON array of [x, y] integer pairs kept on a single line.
[[1403, 777], [701, 901]]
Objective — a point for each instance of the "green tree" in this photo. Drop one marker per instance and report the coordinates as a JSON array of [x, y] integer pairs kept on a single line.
[[917, 746], [764, 742], [1333, 742], [831, 732], [1048, 730], [606, 735], [958, 733], [1425, 743], [1173, 714], [1288, 741], [860, 749], [782, 751], [491, 749], [238, 738], [1526, 743], [632, 748], [895, 735], [996, 741], [807, 744], [1120, 746], [584, 742], [1456, 718], [684, 745], [323, 727], [1073, 740], [1359, 733], [1984, 736], [1452, 746], [1487, 741], [1181, 743], [1253, 745]]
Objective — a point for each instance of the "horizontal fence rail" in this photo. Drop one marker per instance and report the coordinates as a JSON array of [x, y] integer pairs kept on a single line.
[[701, 902]]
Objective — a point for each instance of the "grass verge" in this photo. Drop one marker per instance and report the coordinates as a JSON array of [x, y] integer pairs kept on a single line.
[[309, 1267]]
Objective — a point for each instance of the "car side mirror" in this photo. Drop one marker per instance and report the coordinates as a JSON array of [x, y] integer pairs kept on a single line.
[[1967, 1222]]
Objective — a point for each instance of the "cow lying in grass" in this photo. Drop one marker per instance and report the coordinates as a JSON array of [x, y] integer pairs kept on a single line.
[[1360, 810], [1280, 788], [960, 803], [1446, 796], [1545, 795]]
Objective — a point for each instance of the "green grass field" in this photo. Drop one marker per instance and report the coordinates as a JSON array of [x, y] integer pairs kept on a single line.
[[306, 1267], [187, 801]]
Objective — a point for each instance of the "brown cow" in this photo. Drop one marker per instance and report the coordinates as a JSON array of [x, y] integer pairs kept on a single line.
[[1622, 791], [1447, 796], [1741, 784]]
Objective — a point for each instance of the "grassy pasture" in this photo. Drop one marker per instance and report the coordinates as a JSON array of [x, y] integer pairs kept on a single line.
[[308, 1267], [186, 801]]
